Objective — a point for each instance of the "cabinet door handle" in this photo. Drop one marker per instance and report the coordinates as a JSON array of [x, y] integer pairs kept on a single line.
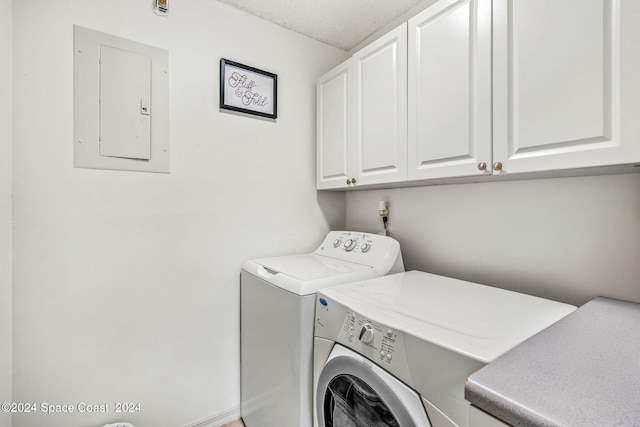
[[348, 182], [353, 180], [497, 166], [482, 166]]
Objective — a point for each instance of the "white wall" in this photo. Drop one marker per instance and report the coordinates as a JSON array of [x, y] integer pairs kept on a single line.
[[126, 284], [5, 208], [568, 239]]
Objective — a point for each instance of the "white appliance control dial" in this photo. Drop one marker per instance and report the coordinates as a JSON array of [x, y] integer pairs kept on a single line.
[[367, 249], [350, 244], [366, 333]]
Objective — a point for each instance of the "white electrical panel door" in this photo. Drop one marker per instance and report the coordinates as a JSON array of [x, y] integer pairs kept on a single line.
[[125, 93], [121, 103], [450, 90]]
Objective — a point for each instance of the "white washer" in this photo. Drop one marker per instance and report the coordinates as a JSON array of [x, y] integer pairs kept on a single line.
[[277, 306], [427, 332]]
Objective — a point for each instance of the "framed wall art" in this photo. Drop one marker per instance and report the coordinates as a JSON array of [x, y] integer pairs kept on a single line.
[[248, 90]]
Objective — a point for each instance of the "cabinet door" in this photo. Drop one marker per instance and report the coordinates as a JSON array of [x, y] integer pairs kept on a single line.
[[566, 83], [379, 125], [450, 90], [332, 128]]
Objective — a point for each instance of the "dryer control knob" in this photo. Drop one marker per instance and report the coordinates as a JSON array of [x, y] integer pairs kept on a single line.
[[366, 333]]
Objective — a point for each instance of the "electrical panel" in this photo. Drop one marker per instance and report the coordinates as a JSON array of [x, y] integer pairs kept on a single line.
[[121, 103]]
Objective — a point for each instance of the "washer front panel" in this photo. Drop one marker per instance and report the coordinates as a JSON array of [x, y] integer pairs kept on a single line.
[[387, 348], [373, 385]]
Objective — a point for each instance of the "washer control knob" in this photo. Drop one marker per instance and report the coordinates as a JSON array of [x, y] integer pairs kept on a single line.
[[366, 247], [336, 243], [389, 357], [389, 333], [349, 245], [366, 333]]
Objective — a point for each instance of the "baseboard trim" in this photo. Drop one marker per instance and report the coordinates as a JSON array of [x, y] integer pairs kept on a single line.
[[217, 420]]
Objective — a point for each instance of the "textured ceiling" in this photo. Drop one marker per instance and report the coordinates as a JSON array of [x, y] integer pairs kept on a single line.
[[340, 23]]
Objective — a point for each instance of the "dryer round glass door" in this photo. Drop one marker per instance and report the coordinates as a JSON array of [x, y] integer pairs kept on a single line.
[[353, 392]]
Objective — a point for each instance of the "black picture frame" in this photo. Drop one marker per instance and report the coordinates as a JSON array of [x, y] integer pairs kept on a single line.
[[248, 90]]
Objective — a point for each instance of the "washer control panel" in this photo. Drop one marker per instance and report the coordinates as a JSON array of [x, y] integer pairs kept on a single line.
[[380, 252], [347, 241], [380, 343]]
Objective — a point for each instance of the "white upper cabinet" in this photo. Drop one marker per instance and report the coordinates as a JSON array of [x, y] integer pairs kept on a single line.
[[449, 124], [473, 88], [332, 131], [379, 148], [362, 116], [566, 88]]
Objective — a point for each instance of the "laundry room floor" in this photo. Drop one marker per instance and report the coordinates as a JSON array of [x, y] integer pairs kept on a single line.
[[237, 423]]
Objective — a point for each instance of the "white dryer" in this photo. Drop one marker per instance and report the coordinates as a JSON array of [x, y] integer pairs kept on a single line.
[[277, 306], [397, 350]]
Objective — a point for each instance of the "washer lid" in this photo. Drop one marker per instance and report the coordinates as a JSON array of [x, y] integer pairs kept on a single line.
[[478, 321], [309, 267], [305, 274]]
